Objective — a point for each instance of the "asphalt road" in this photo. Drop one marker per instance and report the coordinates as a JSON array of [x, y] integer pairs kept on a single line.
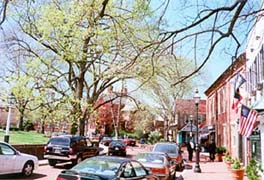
[[46, 172]]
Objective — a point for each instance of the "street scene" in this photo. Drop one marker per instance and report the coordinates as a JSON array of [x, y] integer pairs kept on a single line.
[[134, 89]]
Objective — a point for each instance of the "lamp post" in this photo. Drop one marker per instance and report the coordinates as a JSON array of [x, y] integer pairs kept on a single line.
[[197, 168], [191, 121], [10, 101]]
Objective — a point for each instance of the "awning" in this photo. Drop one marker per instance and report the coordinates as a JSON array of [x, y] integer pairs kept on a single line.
[[189, 128], [204, 135]]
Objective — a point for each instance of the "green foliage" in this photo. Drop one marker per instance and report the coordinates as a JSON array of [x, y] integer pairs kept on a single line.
[[220, 149], [236, 164], [253, 169], [228, 157], [28, 125], [23, 137], [154, 137]]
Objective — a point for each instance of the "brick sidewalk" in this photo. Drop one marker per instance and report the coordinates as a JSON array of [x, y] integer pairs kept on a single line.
[[210, 170]]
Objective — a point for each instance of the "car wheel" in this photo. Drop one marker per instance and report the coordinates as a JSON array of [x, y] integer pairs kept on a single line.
[[52, 162], [28, 168]]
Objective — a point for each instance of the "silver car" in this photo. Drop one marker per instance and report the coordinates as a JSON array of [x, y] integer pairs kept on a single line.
[[12, 161], [158, 163]]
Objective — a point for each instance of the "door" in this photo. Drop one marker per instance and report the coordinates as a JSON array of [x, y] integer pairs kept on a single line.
[[7, 159]]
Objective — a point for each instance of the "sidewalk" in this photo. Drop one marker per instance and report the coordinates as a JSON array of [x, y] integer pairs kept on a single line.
[[210, 170]]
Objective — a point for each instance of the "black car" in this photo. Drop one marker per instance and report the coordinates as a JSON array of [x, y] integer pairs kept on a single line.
[[69, 148], [117, 147], [106, 141], [107, 168]]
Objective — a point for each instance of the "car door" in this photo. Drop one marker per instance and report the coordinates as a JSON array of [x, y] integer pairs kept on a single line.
[[8, 159], [88, 149]]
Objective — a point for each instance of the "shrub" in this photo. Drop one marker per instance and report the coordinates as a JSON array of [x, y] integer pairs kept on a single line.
[[236, 164], [220, 149], [154, 137], [253, 169], [228, 157]]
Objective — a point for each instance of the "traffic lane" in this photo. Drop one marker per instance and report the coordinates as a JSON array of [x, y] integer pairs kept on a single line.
[[44, 172], [47, 172]]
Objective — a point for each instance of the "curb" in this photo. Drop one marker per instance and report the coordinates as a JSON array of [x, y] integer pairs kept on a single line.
[[43, 162]]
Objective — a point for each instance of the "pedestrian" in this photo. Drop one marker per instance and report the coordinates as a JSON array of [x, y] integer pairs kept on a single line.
[[211, 149], [190, 150]]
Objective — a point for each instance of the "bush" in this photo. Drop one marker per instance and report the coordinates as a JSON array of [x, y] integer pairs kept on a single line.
[[253, 169], [154, 137], [28, 126], [228, 158], [236, 164], [220, 149]]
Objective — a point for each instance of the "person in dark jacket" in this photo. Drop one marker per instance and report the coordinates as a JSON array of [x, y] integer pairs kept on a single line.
[[190, 150], [211, 150]]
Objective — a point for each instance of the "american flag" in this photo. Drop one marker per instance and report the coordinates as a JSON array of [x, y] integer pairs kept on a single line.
[[239, 81], [247, 121]]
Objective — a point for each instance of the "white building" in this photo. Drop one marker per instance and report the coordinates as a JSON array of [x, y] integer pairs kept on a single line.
[[255, 87]]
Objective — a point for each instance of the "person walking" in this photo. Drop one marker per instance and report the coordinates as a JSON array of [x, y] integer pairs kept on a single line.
[[190, 150], [211, 149]]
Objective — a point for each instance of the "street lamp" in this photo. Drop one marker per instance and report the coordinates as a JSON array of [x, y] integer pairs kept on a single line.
[[10, 100], [197, 168], [191, 121]]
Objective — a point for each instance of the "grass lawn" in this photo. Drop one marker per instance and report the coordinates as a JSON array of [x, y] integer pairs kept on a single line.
[[24, 137]]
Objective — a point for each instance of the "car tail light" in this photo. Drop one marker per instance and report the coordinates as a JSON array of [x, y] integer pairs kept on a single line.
[[178, 159], [60, 178], [158, 170]]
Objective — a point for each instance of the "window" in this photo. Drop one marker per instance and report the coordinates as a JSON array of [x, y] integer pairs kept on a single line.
[[128, 171], [139, 170], [6, 150]]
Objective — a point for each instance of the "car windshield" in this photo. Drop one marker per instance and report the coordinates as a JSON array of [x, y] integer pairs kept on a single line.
[[117, 142], [59, 141], [150, 158], [166, 148], [98, 167]]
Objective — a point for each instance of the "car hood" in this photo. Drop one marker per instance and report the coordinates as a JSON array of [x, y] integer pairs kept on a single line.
[[28, 156]]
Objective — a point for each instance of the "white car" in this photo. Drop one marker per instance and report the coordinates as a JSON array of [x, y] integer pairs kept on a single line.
[[12, 161]]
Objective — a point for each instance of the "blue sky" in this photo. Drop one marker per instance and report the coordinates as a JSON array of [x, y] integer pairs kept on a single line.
[[183, 13]]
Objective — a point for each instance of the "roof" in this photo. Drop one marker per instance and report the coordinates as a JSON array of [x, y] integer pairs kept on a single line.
[[112, 158], [189, 128]]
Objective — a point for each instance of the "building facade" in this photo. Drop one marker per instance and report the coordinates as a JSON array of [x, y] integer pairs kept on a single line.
[[255, 90], [220, 97], [186, 115]]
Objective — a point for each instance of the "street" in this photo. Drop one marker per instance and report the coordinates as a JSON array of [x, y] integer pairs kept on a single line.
[[46, 172]]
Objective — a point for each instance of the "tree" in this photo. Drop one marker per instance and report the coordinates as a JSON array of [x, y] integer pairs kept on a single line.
[[83, 47], [160, 90]]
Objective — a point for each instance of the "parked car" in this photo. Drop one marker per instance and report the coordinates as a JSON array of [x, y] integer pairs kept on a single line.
[[107, 168], [117, 147], [106, 140], [13, 161], [69, 148], [130, 141], [174, 152], [159, 164]]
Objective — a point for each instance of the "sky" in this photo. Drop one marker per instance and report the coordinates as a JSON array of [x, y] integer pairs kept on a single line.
[[182, 13], [177, 16]]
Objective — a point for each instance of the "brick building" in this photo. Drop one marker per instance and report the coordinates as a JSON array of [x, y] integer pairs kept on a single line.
[[219, 108]]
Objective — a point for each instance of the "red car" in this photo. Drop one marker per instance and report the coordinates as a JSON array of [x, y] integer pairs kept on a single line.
[[129, 142]]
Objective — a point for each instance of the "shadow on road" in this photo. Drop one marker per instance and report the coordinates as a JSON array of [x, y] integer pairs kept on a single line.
[[19, 176]]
